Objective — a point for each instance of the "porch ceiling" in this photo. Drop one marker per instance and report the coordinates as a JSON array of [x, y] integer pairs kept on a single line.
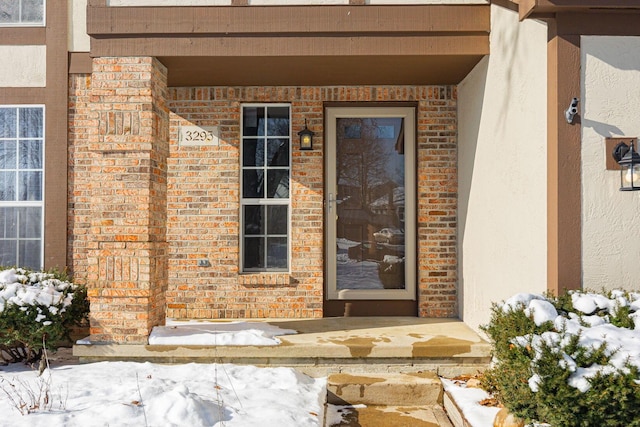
[[298, 45]]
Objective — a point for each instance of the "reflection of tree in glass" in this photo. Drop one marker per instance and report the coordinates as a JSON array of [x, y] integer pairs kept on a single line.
[[361, 162]]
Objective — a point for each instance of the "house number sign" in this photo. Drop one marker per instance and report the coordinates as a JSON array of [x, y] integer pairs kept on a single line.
[[199, 135]]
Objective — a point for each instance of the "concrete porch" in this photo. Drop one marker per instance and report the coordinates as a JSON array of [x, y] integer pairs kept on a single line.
[[325, 346]]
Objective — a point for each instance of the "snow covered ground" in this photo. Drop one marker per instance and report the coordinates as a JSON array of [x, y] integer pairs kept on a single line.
[[146, 394]]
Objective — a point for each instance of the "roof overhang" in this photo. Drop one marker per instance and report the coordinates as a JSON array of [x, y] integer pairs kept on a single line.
[[545, 8], [298, 45]]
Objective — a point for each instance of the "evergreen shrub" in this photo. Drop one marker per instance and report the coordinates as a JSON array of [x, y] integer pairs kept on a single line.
[[37, 310], [571, 360]]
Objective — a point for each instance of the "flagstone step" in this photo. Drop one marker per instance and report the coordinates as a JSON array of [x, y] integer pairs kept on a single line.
[[331, 345], [386, 416], [391, 389]]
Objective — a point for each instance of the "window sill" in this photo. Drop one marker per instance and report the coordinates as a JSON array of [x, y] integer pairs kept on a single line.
[[266, 279]]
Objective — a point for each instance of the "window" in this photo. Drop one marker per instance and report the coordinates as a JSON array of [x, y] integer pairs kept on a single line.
[[21, 12], [21, 185], [265, 199]]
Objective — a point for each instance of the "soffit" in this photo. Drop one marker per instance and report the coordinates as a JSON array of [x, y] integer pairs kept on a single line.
[[302, 45], [543, 8]]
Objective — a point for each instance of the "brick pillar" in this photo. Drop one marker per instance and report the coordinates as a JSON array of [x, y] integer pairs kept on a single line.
[[127, 254]]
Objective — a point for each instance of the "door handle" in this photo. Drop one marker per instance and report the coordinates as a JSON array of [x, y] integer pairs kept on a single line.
[[332, 199]]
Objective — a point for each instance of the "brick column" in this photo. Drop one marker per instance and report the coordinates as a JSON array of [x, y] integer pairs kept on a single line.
[[127, 252]]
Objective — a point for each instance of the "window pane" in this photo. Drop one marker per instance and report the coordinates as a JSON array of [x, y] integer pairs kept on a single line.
[[31, 123], [29, 253], [352, 131], [277, 219], [7, 186], [8, 223], [30, 222], [252, 152], [277, 252], [278, 152], [7, 120], [254, 219], [278, 183], [7, 154], [253, 252], [32, 10], [253, 121], [30, 186], [252, 183], [8, 253], [9, 11], [278, 121], [30, 155]]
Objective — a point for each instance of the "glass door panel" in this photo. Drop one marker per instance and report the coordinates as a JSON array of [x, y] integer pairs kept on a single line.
[[371, 249]]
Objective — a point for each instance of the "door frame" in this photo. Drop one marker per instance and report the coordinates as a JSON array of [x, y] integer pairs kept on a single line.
[[382, 297]]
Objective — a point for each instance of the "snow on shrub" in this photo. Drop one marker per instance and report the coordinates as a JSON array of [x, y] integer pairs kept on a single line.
[[37, 309], [569, 360]]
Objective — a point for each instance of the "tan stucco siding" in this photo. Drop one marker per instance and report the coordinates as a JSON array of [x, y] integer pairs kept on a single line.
[[27, 67], [77, 34], [502, 168], [610, 107]]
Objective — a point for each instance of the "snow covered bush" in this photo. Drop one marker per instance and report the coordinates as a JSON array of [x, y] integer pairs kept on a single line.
[[572, 360], [37, 309]]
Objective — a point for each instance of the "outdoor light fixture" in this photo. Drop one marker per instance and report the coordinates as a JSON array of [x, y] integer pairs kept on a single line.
[[571, 112], [629, 162], [306, 138]]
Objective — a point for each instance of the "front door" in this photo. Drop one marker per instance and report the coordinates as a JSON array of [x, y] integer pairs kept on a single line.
[[370, 210]]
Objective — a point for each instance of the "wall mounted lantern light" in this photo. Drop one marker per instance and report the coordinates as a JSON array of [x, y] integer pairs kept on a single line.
[[306, 138], [629, 162]]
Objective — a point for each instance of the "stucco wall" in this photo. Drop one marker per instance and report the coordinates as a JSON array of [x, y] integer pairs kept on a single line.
[[502, 168], [610, 107], [27, 67], [77, 34]]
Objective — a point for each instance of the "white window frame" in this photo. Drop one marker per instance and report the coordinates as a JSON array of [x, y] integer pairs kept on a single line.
[[264, 201], [28, 24], [28, 203]]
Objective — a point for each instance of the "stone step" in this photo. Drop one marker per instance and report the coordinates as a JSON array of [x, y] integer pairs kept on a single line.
[[385, 389], [386, 416]]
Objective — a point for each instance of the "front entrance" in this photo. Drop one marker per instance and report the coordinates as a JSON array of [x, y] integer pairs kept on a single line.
[[370, 211]]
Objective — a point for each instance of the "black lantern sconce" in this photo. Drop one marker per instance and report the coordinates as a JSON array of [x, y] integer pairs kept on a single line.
[[306, 137], [629, 162]]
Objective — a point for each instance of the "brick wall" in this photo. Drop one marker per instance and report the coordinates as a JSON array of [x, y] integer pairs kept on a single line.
[[203, 204], [143, 209], [119, 146]]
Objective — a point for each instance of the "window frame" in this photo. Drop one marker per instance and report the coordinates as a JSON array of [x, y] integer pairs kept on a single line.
[[264, 201], [30, 203], [21, 24]]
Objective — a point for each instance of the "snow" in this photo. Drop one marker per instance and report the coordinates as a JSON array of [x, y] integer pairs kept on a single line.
[[39, 290], [134, 394], [594, 330], [139, 394], [622, 345], [467, 399], [541, 311], [218, 333]]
